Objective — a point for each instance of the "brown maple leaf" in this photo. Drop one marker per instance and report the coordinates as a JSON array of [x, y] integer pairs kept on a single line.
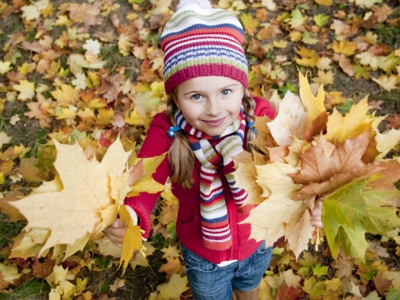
[[89, 14], [376, 105], [43, 269], [146, 72], [324, 171], [316, 127], [288, 293], [380, 49], [382, 285], [390, 174], [394, 121], [344, 267], [381, 13]]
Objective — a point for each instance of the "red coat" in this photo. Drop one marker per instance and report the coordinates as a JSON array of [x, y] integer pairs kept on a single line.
[[188, 227]]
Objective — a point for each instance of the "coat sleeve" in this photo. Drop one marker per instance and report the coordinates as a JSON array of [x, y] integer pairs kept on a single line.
[[264, 108], [157, 142]]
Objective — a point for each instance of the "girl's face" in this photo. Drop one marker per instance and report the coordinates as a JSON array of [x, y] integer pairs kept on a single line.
[[210, 103]]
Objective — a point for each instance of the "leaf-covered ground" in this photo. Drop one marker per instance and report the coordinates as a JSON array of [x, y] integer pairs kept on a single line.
[[87, 70]]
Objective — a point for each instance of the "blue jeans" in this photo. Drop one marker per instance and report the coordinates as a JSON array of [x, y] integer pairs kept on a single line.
[[209, 281]]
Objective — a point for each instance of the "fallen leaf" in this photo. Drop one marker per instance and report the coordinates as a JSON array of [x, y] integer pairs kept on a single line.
[[387, 82], [26, 89], [173, 288]]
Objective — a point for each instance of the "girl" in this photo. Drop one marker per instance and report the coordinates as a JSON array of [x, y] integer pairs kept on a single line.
[[208, 120]]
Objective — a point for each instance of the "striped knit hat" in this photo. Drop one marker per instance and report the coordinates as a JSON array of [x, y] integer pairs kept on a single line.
[[201, 41]]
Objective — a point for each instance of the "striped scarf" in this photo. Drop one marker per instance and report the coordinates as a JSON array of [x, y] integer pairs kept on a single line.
[[213, 210]]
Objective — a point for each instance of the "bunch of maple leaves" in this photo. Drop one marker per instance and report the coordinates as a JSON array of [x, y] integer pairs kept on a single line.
[[88, 71], [310, 155]]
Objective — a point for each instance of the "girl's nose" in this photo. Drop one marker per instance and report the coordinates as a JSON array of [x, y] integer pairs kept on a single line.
[[213, 107]]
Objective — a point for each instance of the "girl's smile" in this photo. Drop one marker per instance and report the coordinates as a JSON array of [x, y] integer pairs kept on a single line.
[[210, 104], [214, 123]]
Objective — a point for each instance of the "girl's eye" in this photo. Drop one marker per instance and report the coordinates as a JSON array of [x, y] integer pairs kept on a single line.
[[226, 92], [196, 96]]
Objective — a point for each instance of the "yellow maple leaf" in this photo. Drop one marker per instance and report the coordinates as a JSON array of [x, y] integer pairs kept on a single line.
[[333, 98], [324, 2], [61, 288], [367, 58], [124, 45], [324, 77], [246, 176], [29, 243], [66, 95], [25, 68], [386, 142], [94, 78], [132, 238], [249, 23], [107, 247], [279, 189], [105, 116], [296, 19], [26, 89], [4, 139], [170, 205], [146, 182], [133, 118], [30, 12], [295, 36], [64, 113], [314, 105], [172, 289], [171, 251], [88, 200], [344, 47], [367, 3], [77, 61], [80, 81], [386, 82], [5, 67], [298, 233], [280, 43], [10, 273], [161, 7], [309, 57], [356, 121], [171, 267], [269, 4]]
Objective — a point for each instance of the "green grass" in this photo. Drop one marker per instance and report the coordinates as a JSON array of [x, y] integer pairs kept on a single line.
[[115, 60], [389, 34], [36, 289], [8, 230]]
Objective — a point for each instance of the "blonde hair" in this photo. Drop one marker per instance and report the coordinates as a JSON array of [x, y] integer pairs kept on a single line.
[[181, 157]]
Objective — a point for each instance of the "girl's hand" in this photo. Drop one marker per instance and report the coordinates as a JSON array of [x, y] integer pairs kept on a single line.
[[316, 214], [116, 232]]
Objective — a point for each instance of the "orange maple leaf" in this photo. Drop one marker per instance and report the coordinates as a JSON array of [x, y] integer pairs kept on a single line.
[[326, 167]]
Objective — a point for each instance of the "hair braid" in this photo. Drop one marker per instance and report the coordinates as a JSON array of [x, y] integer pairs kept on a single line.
[[249, 106], [180, 155]]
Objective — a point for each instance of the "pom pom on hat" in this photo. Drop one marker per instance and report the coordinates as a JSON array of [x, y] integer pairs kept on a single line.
[[201, 3], [199, 40]]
